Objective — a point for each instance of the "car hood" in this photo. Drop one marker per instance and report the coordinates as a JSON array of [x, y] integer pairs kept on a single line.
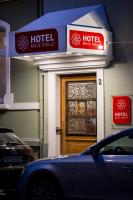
[[55, 159]]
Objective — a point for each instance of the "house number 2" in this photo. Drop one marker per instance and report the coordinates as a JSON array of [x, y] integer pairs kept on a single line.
[[100, 81]]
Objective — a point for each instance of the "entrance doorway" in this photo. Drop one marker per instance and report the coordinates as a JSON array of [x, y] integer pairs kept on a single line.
[[78, 113]]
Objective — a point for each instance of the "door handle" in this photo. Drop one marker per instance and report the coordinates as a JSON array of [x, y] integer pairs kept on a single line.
[[58, 130], [128, 169]]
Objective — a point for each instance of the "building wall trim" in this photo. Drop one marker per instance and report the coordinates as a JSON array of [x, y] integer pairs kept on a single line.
[[21, 106], [53, 108]]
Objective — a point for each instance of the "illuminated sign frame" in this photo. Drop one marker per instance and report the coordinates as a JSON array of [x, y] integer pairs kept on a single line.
[[121, 110], [88, 40], [36, 41]]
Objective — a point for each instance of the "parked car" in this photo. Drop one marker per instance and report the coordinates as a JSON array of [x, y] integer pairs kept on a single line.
[[103, 171], [14, 155]]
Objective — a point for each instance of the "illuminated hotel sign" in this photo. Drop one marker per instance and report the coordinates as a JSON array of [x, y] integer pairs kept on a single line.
[[121, 110], [36, 41], [86, 40]]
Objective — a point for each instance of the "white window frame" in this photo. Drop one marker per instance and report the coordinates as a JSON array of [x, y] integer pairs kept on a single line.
[[4, 52]]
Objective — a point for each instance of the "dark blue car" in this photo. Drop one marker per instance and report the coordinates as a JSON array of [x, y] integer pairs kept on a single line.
[[103, 171]]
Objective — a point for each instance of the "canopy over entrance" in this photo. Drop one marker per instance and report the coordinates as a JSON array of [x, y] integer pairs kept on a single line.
[[83, 31]]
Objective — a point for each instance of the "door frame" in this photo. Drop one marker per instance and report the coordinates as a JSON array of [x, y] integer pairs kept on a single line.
[[52, 97]]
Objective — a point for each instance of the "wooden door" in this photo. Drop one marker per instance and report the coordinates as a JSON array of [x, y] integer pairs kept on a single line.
[[78, 113]]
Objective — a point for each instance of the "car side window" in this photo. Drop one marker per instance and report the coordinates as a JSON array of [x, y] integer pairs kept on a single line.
[[121, 146]]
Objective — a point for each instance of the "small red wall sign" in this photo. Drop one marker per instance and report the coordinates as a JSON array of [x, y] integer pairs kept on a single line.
[[121, 110], [36, 41], [86, 40]]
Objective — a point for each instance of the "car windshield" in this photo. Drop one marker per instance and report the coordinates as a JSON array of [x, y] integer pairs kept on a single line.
[[9, 138]]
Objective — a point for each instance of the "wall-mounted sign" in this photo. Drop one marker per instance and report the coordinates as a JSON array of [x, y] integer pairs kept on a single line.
[[36, 41], [121, 110], [86, 40]]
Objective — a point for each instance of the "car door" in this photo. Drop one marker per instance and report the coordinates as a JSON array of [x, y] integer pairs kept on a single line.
[[91, 178], [109, 174]]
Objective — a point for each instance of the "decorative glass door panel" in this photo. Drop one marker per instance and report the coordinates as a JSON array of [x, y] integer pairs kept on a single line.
[[81, 108], [78, 113]]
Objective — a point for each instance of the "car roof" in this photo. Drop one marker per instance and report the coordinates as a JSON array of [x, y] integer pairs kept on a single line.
[[5, 130], [121, 131]]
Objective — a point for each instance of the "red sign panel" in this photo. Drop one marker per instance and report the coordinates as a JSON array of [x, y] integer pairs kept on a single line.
[[86, 40], [36, 41], [121, 110]]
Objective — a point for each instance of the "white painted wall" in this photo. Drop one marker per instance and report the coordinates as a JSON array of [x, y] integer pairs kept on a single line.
[[118, 82]]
